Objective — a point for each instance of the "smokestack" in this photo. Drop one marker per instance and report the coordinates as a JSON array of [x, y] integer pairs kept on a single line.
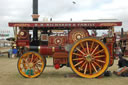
[[35, 15], [122, 33]]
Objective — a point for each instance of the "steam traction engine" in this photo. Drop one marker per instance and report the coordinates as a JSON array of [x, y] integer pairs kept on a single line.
[[69, 43]]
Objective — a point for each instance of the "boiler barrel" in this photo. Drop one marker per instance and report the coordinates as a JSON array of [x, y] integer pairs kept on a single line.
[[45, 50]]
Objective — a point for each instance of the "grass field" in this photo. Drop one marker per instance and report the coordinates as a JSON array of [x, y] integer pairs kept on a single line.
[[9, 76]]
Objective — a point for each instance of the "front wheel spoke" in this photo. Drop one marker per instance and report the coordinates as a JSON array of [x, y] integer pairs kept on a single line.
[[39, 64], [34, 70], [24, 65], [78, 59], [100, 56], [99, 52], [80, 51], [78, 63], [85, 70], [38, 69], [25, 61], [35, 60], [30, 72], [94, 67], [95, 49], [77, 54], [32, 58], [100, 61]]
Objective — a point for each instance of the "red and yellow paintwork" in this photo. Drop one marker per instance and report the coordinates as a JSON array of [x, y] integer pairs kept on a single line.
[[64, 24], [77, 40]]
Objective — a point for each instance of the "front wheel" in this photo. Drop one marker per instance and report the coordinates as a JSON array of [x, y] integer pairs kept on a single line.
[[31, 65], [89, 58]]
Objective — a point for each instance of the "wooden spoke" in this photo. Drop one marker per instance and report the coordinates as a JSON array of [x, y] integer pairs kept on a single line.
[[82, 47], [90, 68], [97, 64], [83, 65], [77, 59], [24, 66], [94, 49], [34, 69], [77, 54], [85, 70], [89, 57], [80, 51], [91, 46], [99, 51], [38, 68], [94, 67], [25, 61], [100, 56], [81, 68], [39, 64], [35, 60], [31, 70], [32, 57], [78, 63], [100, 61], [87, 47]]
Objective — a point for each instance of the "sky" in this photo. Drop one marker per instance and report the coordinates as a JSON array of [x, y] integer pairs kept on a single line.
[[21, 10]]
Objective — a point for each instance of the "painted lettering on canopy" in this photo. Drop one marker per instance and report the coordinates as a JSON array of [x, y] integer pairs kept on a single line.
[[21, 25], [108, 24]]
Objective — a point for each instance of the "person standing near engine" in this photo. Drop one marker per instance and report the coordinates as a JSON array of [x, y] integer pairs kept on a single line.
[[14, 52], [118, 52]]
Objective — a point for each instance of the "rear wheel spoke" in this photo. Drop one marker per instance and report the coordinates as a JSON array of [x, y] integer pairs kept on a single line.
[[78, 63], [87, 47], [100, 61], [77, 59], [80, 51], [99, 52], [97, 64], [85, 70], [100, 56], [94, 50], [94, 67], [91, 46], [90, 68], [82, 47], [77, 54], [83, 65]]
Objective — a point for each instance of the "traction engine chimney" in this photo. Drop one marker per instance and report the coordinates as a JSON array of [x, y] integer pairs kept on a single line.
[[35, 15]]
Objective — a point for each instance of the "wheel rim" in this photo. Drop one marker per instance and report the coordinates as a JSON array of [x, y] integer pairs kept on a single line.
[[89, 58], [30, 65]]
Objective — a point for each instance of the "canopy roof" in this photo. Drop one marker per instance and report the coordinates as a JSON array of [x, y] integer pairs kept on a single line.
[[85, 23]]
